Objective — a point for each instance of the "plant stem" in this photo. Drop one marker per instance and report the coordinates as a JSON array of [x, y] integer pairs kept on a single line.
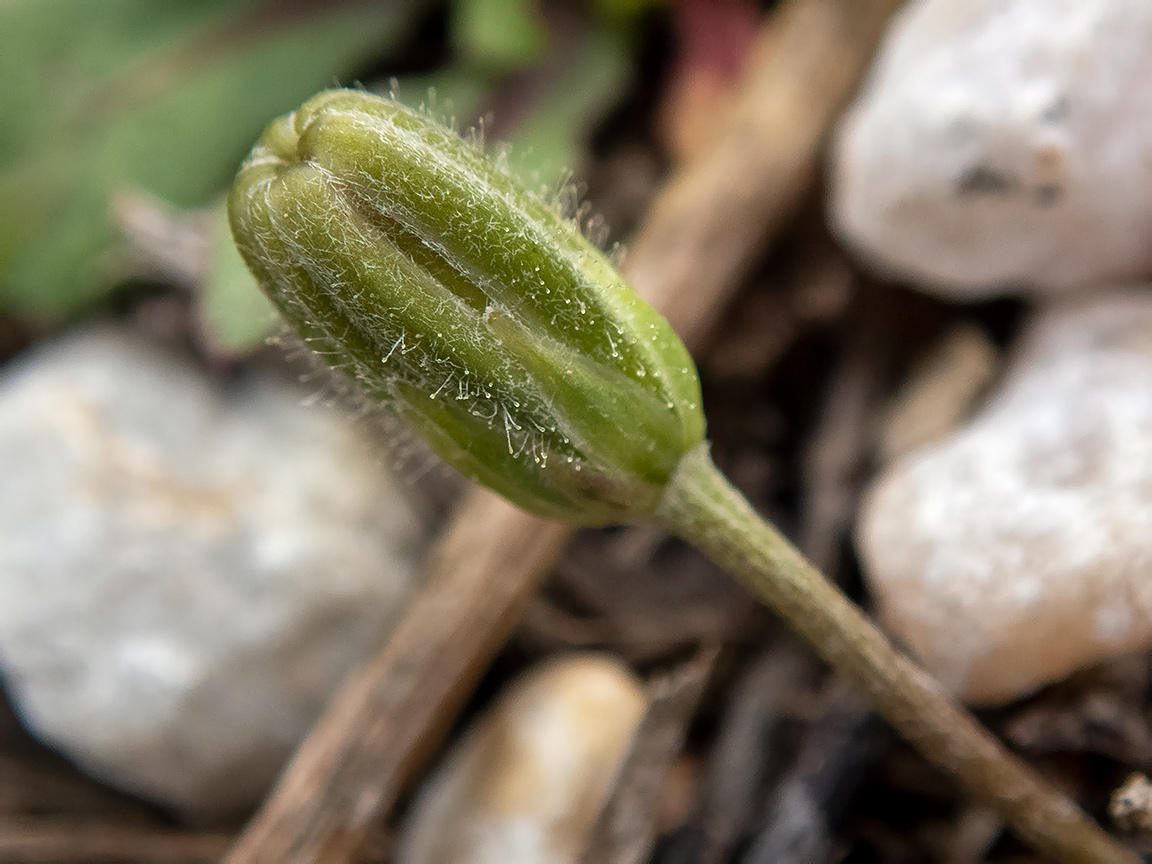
[[703, 508]]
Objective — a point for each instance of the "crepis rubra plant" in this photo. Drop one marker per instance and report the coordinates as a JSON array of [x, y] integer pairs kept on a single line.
[[468, 306]]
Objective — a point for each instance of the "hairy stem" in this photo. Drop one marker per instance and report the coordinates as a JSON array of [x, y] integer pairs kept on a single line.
[[703, 508]]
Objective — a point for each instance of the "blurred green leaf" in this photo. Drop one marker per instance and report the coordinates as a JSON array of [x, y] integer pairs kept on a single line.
[[624, 14], [164, 95], [499, 34], [235, 316], [549, 132], [452, 94], [553, 136]]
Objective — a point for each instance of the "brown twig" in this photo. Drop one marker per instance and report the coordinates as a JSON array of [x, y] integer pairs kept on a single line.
[[31, 784], [832, 462], [701, 236], [710, 222], [66, 842], [626, 828], [384, 720], [810, 797], [743, 749]]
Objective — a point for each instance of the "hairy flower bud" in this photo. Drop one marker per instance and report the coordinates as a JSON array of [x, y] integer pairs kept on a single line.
[[468, 305]]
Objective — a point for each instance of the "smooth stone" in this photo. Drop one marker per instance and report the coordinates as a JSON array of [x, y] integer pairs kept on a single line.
[[187, 570], [1019, 549], [527, 781], [1003, 144]]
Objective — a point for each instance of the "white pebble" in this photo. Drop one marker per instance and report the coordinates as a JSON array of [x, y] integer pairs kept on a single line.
[[186, 571], [527, 781], [1020, 549], [1003, 144]]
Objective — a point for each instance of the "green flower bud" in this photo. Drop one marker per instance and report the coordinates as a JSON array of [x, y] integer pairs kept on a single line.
[[469, 306]]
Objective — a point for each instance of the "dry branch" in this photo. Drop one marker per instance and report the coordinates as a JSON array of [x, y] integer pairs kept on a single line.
[[65, 841], [393, 710]]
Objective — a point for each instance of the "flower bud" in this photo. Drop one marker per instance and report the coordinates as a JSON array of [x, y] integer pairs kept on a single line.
[[468, 305]]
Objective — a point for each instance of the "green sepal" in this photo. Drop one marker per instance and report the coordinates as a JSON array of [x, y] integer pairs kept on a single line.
[[469, 306]]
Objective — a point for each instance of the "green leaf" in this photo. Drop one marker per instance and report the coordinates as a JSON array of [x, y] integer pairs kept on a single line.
[[152, 94]]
